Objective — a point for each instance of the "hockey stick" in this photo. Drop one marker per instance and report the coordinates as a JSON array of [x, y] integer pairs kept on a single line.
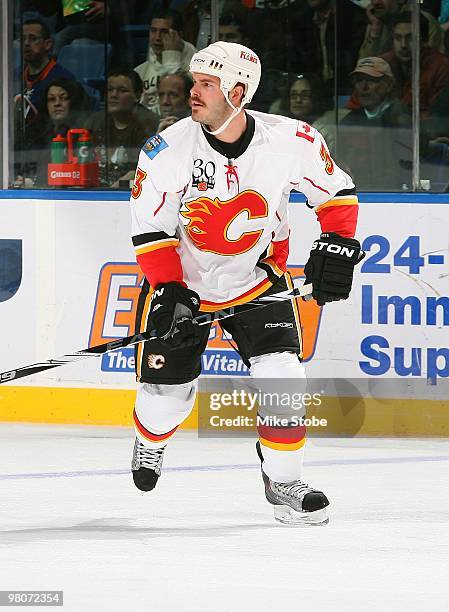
[[201, 319]]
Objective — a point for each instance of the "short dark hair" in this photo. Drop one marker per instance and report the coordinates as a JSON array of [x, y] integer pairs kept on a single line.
[[406, 17], [45, 31], [230, 20], [167, 13], [132, 75]]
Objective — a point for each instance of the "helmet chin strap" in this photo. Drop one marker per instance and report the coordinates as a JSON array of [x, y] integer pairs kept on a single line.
[[235, 112]]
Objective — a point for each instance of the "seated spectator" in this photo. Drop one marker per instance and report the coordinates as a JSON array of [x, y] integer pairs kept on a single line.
[[379, 35], [120, 131], [434, 66], [168, 53], [308, 99], [375, 140], [230, 30], [39, 68], [64, 106], [174, 98], [374, 85]]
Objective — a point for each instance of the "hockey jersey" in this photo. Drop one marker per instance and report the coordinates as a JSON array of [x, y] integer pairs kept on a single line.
[[154, 69], [220, 225]]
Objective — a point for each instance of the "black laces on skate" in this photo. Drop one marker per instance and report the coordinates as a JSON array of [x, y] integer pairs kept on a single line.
[[150, 458], [297, 489]]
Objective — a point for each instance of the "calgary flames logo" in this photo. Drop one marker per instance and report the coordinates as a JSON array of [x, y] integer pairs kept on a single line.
[[209, 222]]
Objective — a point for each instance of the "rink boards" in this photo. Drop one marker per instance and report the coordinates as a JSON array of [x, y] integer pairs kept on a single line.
[[70, 281]]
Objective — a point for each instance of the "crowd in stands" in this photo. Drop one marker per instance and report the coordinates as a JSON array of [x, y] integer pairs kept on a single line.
[[119, 68]]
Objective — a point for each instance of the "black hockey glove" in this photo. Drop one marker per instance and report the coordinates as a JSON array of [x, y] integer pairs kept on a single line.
[[330, 267], [171, 311]]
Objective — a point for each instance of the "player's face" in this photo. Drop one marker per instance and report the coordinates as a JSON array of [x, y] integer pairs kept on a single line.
[[207, 101], [301, 99], [402, 42], [121, 95], [58, 103], [158, 29]]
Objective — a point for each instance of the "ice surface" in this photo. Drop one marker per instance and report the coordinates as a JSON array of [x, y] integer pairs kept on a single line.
[[205, 540]]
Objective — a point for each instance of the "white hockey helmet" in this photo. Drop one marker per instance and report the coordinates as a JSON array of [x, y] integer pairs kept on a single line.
[[231, 63]]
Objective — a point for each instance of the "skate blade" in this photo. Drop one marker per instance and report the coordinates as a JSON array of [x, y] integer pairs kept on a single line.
[[289, 516]]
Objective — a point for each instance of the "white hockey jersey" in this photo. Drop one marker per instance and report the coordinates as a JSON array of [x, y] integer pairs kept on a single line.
[[154, 69], [227, 219]]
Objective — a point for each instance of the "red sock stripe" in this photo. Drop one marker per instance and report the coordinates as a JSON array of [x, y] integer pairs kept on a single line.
[[148, 434], [282, 435]]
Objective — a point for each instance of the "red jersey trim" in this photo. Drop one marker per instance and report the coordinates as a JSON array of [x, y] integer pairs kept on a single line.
[[315, 185], [341, 219], [161, 266]]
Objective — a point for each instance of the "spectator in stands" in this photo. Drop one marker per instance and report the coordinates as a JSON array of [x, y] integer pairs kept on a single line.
[[168, 52], [374, 84], [174, 98], [378, 34], [434, 66], [39, 68], [308, 99], [230, 30], [375, 138], [121, 130], [64, 106]]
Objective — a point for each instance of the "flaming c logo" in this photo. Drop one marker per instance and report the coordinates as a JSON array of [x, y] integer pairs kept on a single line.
[[209, 222]]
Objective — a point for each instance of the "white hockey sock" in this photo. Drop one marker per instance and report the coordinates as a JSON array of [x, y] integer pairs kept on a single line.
[[282, 465], [160, 409]]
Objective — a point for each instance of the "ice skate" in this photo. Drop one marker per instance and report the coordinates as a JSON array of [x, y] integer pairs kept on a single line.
[[295, 503], [146, 466]]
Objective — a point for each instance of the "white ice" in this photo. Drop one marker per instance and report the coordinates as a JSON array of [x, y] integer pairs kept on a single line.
[[205, 540]]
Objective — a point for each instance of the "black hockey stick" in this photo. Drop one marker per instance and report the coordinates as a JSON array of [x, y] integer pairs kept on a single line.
[[101, 349]]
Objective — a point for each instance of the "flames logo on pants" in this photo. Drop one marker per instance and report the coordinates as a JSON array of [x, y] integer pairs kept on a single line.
[[209, 221]]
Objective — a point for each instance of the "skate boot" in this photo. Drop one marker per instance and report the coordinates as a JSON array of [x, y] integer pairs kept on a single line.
[[146, 466], [295, 503]]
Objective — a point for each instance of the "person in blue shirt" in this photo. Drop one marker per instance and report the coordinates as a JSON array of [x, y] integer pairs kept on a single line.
[[39, 69]]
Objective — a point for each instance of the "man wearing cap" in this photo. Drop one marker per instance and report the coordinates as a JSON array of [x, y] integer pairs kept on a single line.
[[374, 87], [372, 154]]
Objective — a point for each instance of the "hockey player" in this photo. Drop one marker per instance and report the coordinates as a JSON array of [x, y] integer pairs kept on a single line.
[[210, 229]]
